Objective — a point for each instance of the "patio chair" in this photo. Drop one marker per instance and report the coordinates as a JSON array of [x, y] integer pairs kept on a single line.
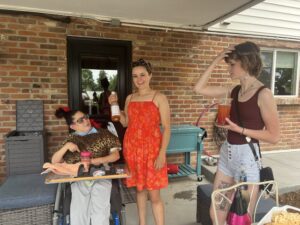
[[221, 192], [25, 198]]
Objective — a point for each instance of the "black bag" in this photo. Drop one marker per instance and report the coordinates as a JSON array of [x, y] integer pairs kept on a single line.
[[238, 213], [266, 174]]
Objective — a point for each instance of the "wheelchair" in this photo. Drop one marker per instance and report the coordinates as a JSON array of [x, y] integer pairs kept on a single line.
[[63, 200], [61, 215]]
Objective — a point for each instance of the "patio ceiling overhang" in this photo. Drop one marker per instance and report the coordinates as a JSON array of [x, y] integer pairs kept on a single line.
[[195, 15]]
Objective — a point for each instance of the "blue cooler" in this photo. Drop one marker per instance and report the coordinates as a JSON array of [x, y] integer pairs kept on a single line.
[[186, 139]]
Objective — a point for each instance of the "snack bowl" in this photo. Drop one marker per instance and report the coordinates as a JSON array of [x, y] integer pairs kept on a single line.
[[268, 217]]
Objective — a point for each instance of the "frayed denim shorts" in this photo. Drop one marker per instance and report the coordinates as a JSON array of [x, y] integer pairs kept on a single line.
[[235, 158]]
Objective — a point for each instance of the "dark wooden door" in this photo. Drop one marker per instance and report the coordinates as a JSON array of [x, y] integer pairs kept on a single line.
[[96, 54]]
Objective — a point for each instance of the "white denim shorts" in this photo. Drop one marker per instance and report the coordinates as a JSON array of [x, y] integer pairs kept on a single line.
[[235, 158]]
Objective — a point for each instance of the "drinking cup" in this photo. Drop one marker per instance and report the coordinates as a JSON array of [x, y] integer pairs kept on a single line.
[[85, 158], [223, 111]]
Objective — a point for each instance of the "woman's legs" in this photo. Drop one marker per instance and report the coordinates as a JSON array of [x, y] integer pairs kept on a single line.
[[253, 193], [157, 207], [222, 208], [141, 197]]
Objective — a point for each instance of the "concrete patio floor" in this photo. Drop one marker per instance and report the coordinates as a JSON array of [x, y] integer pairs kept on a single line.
[[180, 196], [180, 203]]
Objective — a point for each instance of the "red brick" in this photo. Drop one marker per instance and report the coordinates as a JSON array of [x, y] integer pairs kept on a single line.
[[36, 55]]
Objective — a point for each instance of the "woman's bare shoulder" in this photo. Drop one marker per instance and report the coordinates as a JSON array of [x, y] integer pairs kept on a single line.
[[265, 93], [266, 97], [160, 96]]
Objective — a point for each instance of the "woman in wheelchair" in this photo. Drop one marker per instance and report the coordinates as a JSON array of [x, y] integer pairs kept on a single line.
[[90, 203]]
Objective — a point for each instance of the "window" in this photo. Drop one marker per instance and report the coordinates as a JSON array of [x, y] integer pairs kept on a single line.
[[280, 71]]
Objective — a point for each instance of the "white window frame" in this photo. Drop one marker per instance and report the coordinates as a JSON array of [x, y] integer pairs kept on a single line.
[[274, 51]]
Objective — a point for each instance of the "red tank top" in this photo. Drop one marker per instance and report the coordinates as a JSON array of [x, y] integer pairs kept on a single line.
[[249, 114]]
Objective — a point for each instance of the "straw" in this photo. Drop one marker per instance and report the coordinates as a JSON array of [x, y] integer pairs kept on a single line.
[[226, 96]]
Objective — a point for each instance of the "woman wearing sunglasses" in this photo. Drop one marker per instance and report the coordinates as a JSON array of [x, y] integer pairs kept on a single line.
[[90, 202]]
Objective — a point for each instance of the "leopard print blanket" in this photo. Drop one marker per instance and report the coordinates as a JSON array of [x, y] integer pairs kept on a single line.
[[98, 143]]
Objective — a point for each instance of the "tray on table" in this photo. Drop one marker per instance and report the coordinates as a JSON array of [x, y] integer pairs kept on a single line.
[[52, 178]]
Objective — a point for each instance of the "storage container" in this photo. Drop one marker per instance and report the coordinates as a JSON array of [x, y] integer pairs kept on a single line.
[[26, 146]]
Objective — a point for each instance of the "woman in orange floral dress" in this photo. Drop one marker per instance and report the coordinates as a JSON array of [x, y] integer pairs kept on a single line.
[[145, 143]]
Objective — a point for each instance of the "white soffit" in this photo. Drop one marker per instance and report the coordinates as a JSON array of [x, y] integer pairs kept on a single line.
[[179, 14], [273, 18]]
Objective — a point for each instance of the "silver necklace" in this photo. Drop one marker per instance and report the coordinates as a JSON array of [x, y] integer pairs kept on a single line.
[[251, 87]]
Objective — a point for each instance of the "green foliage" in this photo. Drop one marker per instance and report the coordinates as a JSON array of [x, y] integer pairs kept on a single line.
[[87, 82], [113, 81]]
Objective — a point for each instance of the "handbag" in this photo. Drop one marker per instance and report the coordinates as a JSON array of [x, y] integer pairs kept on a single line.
[[238, 213], [266, 173]]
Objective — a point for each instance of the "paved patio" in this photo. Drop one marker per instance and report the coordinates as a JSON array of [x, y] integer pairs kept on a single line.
[[180, 196], [180, 203]]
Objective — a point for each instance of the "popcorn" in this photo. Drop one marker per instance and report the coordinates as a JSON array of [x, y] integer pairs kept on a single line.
[[285, 218]]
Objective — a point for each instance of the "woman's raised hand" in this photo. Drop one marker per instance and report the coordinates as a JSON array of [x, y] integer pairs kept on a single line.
[[224, 54], [112, 98]]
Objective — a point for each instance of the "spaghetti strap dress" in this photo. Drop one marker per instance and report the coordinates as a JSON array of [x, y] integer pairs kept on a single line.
[[142, 143]]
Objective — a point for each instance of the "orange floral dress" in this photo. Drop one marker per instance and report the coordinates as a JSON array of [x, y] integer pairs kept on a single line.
[[142, 143]]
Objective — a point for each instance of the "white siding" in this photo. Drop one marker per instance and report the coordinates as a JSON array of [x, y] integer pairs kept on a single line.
[[276, 18]]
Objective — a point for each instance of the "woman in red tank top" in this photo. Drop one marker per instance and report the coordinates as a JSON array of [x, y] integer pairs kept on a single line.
[[144, 143], [257, 111]]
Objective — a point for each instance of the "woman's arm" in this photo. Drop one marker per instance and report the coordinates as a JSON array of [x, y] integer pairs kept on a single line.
[[112, 157], [58, 156], [212, 91], [124, 118], [268, 110], [164, 110]]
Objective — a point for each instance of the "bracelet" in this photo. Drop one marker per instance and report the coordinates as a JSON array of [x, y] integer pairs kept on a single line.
[[243, 131]]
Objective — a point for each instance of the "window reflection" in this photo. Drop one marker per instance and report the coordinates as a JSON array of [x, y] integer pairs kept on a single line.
[[99, 76], [285, 76], [266, 73], [96, 87], [279, 71]]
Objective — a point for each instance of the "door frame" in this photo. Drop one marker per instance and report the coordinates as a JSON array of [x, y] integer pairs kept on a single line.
[[85, 46]]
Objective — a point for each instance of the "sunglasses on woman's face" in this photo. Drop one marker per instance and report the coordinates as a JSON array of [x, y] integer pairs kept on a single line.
[[81, 119]]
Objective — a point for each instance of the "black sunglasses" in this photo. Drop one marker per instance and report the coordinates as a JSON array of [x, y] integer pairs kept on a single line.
[[81, 119]]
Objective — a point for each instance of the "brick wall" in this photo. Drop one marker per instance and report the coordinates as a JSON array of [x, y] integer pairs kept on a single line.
[[33, 66]]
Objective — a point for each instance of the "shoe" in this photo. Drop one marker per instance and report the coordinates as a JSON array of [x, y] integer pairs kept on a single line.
[[210, 161]]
